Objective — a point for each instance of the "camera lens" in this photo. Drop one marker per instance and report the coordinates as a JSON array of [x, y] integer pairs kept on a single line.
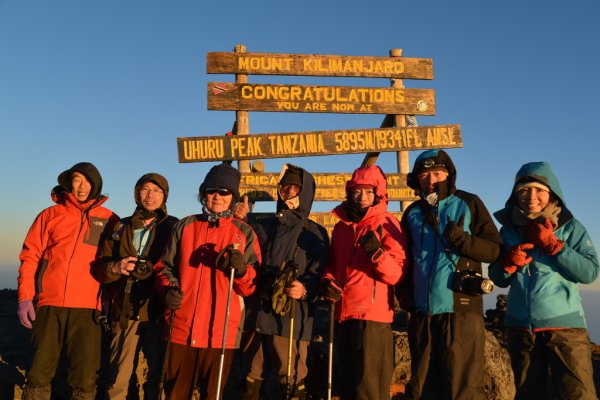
[[487, 285]]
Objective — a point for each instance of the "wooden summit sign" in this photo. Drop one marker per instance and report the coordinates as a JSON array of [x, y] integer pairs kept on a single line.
[[317, 143], [323, 99], [329, 186], [319, 65], [324, 218]]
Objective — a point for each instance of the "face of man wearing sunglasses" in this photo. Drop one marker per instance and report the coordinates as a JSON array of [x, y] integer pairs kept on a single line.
[[218, 199]]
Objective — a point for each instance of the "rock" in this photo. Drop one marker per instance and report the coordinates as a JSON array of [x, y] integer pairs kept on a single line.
[[15, 349]]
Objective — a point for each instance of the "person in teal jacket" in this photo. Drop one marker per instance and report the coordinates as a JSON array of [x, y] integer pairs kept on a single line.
[[450, 233], [546, 254]]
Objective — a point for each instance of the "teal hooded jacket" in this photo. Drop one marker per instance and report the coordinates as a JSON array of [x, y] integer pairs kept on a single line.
[[544, 294]]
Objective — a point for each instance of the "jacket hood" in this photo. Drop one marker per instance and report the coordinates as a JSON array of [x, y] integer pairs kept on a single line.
[[538, 171], [372, 176], [159, 181], [307, 192], [430, 160], [89, 171]]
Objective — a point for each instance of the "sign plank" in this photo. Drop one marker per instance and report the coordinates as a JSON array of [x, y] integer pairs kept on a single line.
[[321, 99], [317, 143], [318, 65], [329, 186], [324, 218]]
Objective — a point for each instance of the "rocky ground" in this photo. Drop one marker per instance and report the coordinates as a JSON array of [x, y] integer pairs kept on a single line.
[[15, 352]]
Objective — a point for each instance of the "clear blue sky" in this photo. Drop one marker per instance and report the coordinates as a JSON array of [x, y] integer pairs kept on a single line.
[[116, 82]]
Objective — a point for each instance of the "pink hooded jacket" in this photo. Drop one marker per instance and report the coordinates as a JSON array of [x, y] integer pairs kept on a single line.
[[368, 285]]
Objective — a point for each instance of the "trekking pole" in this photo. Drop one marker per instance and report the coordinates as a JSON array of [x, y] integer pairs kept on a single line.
[[163, 369], [330, 361], [222, 361], [288, 378]]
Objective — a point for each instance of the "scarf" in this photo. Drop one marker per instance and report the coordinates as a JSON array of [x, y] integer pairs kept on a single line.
[[126, 247], [213, 217], [354, 213], [551, 212]]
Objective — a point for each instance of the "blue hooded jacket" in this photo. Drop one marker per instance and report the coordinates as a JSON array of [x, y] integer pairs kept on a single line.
[[544, 294], [434, 260]]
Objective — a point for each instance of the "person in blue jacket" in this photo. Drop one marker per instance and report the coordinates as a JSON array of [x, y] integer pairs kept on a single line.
[[546, 254], [450, 234]]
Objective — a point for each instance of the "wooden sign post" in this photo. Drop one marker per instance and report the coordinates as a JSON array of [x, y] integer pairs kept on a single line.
[[397, 102], [317, 143]]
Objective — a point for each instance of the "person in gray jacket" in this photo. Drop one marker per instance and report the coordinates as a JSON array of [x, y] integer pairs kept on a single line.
[[546, 254]]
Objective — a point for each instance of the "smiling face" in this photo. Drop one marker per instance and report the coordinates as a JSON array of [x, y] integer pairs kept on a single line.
[[151, 196], [533, 199], [80, 186], [428, 180], [362, 197], [218, 199]]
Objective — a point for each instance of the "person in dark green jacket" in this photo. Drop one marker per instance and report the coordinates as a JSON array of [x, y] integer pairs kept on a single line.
[[546, 254]]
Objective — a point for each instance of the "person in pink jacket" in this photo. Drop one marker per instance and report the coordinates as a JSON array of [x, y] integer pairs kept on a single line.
[[367, 259]]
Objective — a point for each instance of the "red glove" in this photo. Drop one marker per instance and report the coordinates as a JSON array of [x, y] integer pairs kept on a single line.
[[516, 257], [543, 237]]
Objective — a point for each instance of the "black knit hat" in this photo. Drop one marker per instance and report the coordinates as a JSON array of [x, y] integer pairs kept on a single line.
[[223, 176], [89, 171], [292, 176]]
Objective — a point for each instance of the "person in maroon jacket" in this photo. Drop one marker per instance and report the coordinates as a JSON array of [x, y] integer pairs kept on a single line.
[[58, 296], [193, 277], [367, 258]]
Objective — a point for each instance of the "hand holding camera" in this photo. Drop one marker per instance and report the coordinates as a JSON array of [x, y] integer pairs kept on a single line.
[[543, 237], [142, 269], [124, 266], [371, 243]]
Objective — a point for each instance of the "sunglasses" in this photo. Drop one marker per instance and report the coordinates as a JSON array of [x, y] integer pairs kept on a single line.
[[220, 191]]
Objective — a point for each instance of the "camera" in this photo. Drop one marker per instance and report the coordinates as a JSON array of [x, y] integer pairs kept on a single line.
[[471, 282], [142, 270]]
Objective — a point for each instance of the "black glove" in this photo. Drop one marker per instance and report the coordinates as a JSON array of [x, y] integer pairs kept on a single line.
[[174, 298], [331, 290], [236, 261], [371, 242], [454, 233], [231, 258]]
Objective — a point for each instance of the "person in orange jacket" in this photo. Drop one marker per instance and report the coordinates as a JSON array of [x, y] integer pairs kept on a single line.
[[58, 296]]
